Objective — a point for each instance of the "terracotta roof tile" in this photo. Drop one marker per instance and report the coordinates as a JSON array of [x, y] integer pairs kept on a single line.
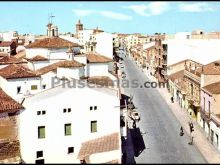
[[9, 150], [213, 88], [38, 58], [21, 54], [7, 104], [93, 57], [5, 43], [177, 75], [102, 144], [101, 80], [64, 64], [10, 60], [3, 54], [212, 68], [53, 42], [16, 71]]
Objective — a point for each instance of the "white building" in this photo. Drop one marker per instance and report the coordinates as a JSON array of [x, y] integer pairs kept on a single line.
[[18, 81], [104, 44], [8, 36], [202, 51], [8, 47], [98, 65], [66, 122], [63, 69], [85, 35], [51, 48]]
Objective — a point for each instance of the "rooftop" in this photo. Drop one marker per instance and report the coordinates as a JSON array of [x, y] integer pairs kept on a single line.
[[9, 150], [64, 64], [20, 55], [102, 144], [93, 57], [16, 71], [101, 80], [7, 104], [177, 75], [53, 42], [10, 60], [38, 58], [5, 43], [212, 68], [213, 88], [2, 54]]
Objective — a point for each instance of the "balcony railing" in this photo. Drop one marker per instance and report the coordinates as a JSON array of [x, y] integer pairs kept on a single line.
[[215, 118], [192, 76]]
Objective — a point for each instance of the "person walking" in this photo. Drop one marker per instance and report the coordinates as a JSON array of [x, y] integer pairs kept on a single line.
[[181, 131]]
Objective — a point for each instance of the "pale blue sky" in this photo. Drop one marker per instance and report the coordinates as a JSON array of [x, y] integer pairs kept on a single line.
[[124, 17]]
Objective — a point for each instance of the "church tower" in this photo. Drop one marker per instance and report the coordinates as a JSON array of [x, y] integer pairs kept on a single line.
[[52, 30], [79, 26]]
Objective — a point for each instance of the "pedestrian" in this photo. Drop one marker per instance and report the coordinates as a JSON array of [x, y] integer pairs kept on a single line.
[[172, 99], [134, 124], [181, 131]]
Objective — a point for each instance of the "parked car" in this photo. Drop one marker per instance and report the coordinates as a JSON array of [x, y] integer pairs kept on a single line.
[[134, 115], [123, 75]]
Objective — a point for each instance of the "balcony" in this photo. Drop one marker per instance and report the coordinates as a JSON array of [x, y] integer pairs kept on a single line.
[[192, 76], [216, 119], [205, 115]]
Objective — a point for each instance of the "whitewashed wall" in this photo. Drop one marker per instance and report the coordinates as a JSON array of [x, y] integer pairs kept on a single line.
[[97, 69], [55, 144], [74, 72], [104, 44], [10, 87], [35, 65], [32, 52], [202, 51]]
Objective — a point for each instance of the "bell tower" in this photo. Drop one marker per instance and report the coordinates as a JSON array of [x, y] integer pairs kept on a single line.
[[79, 26], [52, 30]]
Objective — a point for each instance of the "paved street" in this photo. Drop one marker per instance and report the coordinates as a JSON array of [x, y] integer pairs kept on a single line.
[[156, 139]]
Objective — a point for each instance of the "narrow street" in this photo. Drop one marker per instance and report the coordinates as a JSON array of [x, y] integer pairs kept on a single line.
[[156, 138]]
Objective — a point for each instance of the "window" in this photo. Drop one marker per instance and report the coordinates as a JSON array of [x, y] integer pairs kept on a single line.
[[70, 150], [66, 110], [91, 108], [33, 87], [41, 132], [67, 129], [18, 90], [39, 154], [95, 107], [40, 161], [41, 112], [93, 126], [191, 85], [209, 107]]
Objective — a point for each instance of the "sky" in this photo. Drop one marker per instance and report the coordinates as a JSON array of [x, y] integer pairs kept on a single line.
[[146, 17]]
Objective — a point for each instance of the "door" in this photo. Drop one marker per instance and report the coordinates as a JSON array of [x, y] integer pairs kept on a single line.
[[212, 134]]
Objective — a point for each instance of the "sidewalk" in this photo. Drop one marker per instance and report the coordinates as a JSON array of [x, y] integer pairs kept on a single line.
[[211, 154]]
